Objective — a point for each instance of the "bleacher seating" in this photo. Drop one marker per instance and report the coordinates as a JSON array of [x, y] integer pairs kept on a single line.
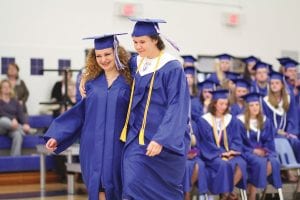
[[29, 160]]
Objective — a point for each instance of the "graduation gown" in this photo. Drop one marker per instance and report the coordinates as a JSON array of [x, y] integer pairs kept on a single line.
[[235, 109], [190, 166], [287, 121], [97, 120], [217, 168], [158, 177], [196, 108], [256, 165], [263, 91]]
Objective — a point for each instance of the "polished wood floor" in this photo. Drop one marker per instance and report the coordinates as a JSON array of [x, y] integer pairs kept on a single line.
[[54, 191]]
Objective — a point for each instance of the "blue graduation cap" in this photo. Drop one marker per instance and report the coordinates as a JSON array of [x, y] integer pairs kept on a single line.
[[189, 70], [282, 59], [288, 62], [232, 75], [276, 76], [220, 94], [224, 56], [188, 58], [146, 26], [250, 59], [108, 41], [207, 84], [149, 27], [252, 97], [104, 41], [261, 64], [241, 83]]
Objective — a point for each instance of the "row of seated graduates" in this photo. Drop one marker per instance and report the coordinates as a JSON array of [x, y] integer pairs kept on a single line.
[[256, 78]]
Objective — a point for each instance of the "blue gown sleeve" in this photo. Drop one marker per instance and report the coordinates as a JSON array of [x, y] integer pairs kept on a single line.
[[235, 142], [268, 140], [292, 118], [67, 127], [171, 131], [196, 108]]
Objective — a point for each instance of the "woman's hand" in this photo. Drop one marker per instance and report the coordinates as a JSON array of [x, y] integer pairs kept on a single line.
[[260, 152], [82, 87], [14, 124], [26, 128], [51, 144], [153, 149]]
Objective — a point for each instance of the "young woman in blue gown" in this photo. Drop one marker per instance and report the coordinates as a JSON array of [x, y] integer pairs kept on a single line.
[[97, 120], [156, 133], [257, 132]]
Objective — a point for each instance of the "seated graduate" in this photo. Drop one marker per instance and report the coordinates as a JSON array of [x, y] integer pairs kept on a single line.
[[241, 89], [249, 72], [201, 103], [260, 84], [221, 148], [279, 106], [223, 65], [98, 119], [188, 61], [190, 74], [257, 133], [195, 171]]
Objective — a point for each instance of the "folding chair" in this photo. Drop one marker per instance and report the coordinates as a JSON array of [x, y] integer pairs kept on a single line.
[[287, 160]]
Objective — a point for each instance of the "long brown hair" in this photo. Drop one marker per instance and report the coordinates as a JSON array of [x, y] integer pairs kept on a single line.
[[212, 107], [92, 69], [284, 95], [160, 43], [259, 117]]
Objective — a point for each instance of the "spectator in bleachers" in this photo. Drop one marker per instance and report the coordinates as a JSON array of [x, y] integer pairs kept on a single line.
[[13, 120], [58, 93], [18, 85], [221, 148], [257, 133]]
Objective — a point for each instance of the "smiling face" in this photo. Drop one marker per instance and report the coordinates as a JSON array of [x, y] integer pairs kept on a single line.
[[145, 46], [105, 59]]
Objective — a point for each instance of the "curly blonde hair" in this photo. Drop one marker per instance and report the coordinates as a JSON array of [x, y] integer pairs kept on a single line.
[[92, 69]]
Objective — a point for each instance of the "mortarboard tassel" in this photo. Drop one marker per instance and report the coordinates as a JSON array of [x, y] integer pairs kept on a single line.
[[172, 43], [119, 64]]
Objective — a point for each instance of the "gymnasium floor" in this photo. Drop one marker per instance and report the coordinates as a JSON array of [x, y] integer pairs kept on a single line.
[[54, 191]]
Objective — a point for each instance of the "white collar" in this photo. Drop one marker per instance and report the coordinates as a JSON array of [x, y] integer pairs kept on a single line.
[[253, 126], [208, 117], [149, 65], [279, 111]]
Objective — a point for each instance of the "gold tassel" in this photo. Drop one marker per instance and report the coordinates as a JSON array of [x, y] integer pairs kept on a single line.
[[141, 137], [123, 136]]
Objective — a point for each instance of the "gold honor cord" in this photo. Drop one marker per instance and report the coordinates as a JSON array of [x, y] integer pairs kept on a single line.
[[216, 134], [142, 131]]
